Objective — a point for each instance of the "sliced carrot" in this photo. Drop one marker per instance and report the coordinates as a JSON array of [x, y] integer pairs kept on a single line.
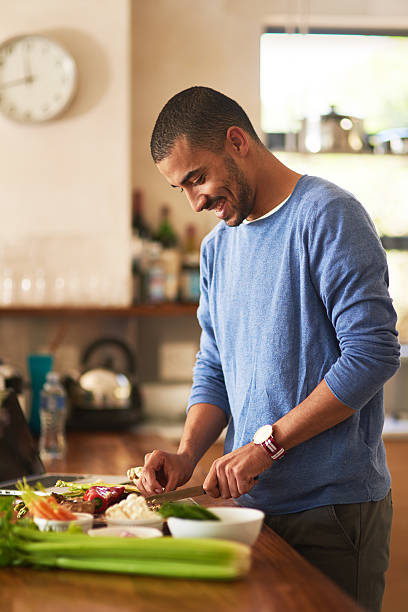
[[37, 511], [64, 514]]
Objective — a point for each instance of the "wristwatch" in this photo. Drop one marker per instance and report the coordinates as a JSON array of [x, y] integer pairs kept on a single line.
[[264, 437]]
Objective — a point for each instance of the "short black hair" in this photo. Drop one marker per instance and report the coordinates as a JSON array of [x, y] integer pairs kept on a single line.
[[201, 114]]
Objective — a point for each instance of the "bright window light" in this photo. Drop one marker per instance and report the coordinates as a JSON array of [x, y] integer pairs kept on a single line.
[[304, 75]]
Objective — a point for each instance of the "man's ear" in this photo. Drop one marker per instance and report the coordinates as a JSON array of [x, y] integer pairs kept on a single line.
[[237, 141]]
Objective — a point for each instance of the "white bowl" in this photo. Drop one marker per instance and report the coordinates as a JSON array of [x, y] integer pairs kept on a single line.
[[239, 524], [155, 521], [83, 520], [137, 532]]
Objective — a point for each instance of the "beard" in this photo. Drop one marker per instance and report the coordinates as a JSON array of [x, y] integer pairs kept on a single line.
[[245, 196]]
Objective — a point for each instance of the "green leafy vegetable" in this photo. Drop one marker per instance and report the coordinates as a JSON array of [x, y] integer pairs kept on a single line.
[[23, 544], [76, 489], [187, 511]]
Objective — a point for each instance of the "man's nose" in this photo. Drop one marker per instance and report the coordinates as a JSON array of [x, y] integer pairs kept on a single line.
[[197, 200]]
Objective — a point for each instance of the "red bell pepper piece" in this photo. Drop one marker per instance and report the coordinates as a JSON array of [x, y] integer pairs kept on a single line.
[[103, 496]]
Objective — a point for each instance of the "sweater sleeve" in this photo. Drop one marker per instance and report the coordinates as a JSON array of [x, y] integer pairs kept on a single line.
[[349, 270], [208, 380]]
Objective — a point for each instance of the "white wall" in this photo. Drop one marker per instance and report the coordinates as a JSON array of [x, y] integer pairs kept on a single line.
[[65, 185]]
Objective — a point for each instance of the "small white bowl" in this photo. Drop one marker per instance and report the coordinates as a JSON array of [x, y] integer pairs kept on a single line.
[[239, 524], [137, 532], [155, 521], [83, 520]]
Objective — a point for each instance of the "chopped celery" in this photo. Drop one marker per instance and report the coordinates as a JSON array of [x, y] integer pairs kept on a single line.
[[23, 544]]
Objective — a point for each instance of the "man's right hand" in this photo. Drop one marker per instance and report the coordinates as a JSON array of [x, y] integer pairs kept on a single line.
[[164, 471]]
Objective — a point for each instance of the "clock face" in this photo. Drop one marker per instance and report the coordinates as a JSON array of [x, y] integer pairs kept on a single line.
[[38, 79]]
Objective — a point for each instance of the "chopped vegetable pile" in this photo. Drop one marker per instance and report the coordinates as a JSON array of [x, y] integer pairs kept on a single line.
[[22, 544], [133, 507], [43, 506], [188, 511], [103, 496]]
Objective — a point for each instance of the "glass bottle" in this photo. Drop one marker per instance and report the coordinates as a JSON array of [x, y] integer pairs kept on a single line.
[[53, 412], [140, 242], [190, 269], [170, 256], [166, 234]]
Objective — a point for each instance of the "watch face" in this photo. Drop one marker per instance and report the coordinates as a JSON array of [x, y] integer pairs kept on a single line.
[[262, 434], [37, 79]]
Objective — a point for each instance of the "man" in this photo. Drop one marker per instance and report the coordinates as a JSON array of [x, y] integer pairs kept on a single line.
[[298, 338]]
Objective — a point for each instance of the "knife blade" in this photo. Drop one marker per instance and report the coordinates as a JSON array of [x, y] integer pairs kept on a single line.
[[15, 493], [160, 498]]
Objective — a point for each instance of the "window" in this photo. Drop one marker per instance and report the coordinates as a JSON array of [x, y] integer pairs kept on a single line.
[[335, 90]]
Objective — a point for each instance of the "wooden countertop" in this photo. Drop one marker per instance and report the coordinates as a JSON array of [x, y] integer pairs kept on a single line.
[[278, 580]]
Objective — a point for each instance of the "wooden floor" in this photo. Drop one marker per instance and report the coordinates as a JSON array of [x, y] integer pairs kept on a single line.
[[396, 591]]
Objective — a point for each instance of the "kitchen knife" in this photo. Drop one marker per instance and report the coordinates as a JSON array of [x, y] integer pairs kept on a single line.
[[160, 498], [15, 493]]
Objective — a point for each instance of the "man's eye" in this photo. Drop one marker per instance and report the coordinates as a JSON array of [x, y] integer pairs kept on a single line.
[[199, 180]]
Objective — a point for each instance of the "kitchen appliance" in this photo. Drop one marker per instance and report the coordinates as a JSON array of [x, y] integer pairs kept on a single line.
[[333, 133], [105, 395]]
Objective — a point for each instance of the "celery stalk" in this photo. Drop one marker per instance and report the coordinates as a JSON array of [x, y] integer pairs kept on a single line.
[[23, 544], [151, 567]]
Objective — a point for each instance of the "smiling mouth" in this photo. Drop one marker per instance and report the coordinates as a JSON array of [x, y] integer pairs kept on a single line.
[[215, 206], [220, 209]]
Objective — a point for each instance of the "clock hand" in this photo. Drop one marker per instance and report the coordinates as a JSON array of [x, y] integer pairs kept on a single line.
[[27, 79], [27, 67]]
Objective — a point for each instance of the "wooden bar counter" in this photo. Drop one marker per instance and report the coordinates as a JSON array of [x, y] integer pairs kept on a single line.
[[278, 580]]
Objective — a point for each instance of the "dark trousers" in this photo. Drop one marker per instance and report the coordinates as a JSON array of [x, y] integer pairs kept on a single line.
[[347, 542]]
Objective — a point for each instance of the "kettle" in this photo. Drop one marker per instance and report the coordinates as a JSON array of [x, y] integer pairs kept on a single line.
[[105, 395]]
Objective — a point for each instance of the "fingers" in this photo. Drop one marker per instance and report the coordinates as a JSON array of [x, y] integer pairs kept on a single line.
[[153, 476], [163, 471], [231, 476]]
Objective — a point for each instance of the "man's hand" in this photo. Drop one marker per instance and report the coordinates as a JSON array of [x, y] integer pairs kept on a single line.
[[234, 474], [164, 471]]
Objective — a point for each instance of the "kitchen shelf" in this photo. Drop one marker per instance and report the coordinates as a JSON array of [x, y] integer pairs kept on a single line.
[[165, 309]]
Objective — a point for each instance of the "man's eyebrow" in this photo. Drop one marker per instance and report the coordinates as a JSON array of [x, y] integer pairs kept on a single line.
[[188, 176]]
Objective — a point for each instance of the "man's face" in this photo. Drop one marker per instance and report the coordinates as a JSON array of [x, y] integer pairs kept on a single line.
[[211, 181]]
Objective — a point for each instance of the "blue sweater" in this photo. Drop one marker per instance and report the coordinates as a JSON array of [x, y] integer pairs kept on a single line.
[[286, 301]]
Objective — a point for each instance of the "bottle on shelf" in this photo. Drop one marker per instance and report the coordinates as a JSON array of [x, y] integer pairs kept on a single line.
[[166, 236], [155, 275], [140, 227], [141, 240], [53, 414], [190, 269]]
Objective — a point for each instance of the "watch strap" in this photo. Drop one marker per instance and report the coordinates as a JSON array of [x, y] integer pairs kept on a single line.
[[273, 449]]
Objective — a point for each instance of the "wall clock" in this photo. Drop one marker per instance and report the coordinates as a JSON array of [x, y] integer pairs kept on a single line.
[[38, 78]]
